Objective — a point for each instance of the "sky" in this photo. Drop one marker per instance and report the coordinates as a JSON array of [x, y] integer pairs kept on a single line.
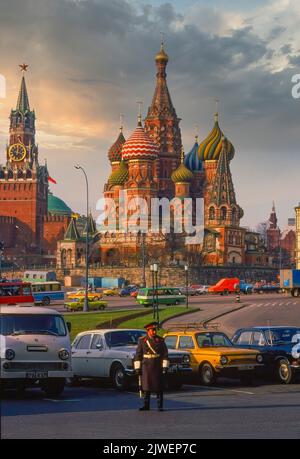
[[90, 60]]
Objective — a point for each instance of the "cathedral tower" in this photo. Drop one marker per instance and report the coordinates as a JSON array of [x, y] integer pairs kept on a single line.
[[162, 125]]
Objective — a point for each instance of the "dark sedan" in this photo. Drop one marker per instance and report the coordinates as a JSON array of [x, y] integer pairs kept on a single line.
[[280, 346]]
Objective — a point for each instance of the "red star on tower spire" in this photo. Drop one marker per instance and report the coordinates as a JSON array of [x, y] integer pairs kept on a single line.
[[23, 67]]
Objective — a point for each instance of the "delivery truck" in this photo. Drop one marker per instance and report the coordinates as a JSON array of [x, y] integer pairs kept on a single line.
[[290, 281]]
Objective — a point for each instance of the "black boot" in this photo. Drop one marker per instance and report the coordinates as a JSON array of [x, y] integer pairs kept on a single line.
[[160, 401], [146, 406]]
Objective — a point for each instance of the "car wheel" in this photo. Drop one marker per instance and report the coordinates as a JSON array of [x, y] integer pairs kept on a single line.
[[96, 298], [284, 372], [226, 292], [207, 374], [46, 301], [119, 378], [53, 387]]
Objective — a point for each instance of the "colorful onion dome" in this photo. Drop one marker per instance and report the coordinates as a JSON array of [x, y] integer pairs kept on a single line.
[[139, 145], [115, 151], [211, 147], [182, 174], [192, 160], [120, 175]]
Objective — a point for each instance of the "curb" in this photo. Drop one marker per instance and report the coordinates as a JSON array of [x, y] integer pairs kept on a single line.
[[224, 314], [190, 311]]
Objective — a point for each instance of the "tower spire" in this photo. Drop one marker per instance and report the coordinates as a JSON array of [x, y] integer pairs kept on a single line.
[[217, 101], [222, 194], [23, 100], [140, 104]]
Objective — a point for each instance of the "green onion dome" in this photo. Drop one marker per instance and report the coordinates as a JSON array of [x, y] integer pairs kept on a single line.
[[120, 175], [211, 147], [182, 174]]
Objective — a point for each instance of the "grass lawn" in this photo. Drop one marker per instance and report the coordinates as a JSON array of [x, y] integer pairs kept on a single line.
[[164, 313], [90, 320]]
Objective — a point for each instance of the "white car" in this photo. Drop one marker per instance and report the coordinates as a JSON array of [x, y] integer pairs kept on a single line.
[[35, 349], [109, 354]]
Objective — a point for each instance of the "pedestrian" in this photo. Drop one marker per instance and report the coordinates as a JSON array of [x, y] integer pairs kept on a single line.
[[151, 364]]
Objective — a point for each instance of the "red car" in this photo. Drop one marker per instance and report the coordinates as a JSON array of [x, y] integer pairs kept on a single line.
[[226, 286]]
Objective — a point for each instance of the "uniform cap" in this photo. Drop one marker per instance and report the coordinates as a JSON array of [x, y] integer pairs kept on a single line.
[[151, 325]]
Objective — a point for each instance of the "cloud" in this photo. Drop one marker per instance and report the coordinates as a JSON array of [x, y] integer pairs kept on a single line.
[[92, 59]]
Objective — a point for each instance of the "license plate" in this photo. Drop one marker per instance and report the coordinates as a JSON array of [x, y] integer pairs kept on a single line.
[[37, 374], [247, 367]]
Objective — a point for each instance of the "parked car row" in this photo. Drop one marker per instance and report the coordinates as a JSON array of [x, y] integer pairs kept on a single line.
[[36, 350], [196, 355]]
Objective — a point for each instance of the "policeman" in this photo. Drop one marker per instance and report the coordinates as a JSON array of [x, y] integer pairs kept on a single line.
[[151, 363]]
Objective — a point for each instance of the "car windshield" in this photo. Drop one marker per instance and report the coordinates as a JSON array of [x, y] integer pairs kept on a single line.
[[281, 335], [123, 337], [32, 324], [213, 340]]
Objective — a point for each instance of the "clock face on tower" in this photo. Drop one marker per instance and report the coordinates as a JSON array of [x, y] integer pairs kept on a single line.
[[17, 152]]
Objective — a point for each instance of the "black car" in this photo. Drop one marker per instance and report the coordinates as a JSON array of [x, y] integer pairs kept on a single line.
[[280, 346]]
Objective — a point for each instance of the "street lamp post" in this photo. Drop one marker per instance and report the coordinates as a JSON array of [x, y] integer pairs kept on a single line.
[[86, 303], [186, 268], [153, 286], [1, 253], [155, 270], [143, 243]]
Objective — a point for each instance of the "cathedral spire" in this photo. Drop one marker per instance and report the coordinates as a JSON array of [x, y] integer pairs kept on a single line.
[[161, 103], [23, 100], [273, 218], [223, 190], [222, 195]]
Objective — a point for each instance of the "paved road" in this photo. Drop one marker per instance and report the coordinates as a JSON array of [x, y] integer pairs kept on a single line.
[[227, 411], [284, 311], [276, 309]]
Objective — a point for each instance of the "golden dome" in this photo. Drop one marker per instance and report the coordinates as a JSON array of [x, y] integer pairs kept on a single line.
[[182, 174], [162, 55]]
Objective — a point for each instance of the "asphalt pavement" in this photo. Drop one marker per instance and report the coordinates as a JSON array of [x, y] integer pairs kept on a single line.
[[96, 412], [228, 410]]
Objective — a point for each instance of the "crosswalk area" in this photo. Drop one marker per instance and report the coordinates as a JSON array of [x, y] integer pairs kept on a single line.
[[276, 304]]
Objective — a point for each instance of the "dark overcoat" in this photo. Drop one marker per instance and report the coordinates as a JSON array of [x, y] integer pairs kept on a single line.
[[152, 375]]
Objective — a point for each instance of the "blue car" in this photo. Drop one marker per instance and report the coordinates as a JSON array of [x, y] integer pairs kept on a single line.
[[280, 346], [126, 291]]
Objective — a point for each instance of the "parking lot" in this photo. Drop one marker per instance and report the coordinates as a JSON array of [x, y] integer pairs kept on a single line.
[[97, 411], [228, 410]]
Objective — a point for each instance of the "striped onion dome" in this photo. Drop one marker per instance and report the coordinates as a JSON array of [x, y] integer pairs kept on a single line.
[[182, 174], [120, 175], [211, 147], [115, 151], [192, 160], [139, 146]]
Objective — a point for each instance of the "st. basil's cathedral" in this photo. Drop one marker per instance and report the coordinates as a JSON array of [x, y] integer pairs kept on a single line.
[[151, 164]]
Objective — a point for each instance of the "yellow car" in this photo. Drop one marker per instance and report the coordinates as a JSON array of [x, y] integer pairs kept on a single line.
[[80, 294], [213, 355], [110, 292]]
